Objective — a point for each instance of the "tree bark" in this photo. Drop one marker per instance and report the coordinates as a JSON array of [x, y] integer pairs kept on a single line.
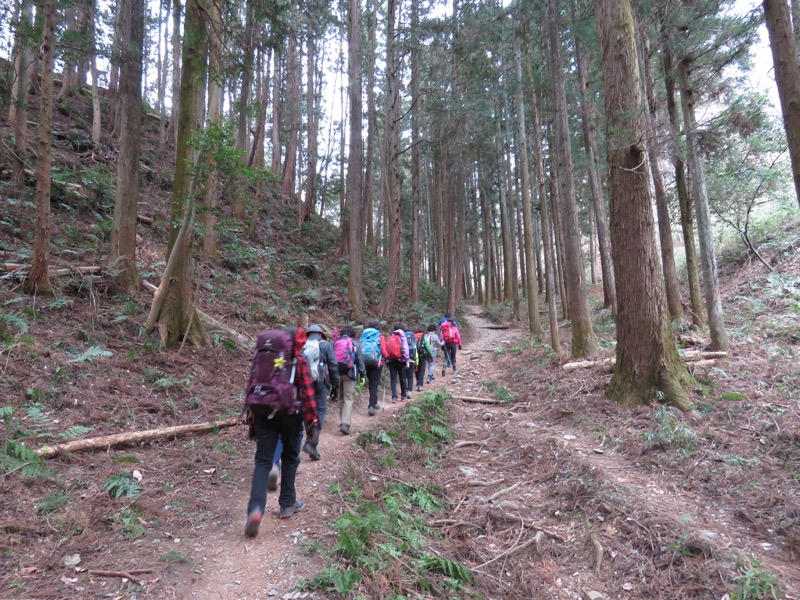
[[787, 78], [708, 259], [355, 180], [293, 86], [122, 247], [18, 111], [584, 342], [648, 365], [313, 125], [372, 133], [176, 71], [38, 281], [416, 196]]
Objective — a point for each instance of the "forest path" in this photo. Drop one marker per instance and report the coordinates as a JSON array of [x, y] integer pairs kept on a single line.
[[269, 566]]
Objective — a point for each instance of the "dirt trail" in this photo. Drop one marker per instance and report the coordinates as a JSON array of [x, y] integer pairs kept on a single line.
[[270, 565]]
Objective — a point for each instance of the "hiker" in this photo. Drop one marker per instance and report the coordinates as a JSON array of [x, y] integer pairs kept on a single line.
[[328, 376], [448, 317], [451, 337], [279, 397], [424, 356], [413, 361], [371, 339], [436, 344], [395, 353], [351, 367]]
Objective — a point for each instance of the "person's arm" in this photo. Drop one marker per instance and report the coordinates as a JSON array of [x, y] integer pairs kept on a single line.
[[360, 359], [404, 346], [333, 366]]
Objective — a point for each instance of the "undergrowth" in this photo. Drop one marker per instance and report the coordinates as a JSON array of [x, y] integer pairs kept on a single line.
[[385, 538]]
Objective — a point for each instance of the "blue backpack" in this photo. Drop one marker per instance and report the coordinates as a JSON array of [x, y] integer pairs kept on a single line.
[[371, 346], [412, 346]]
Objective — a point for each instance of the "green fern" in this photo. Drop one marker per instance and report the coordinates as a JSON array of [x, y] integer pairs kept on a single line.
[[52, 502], [451, 568], [91, 353], [75, 432], [18, 458], [122, 484]]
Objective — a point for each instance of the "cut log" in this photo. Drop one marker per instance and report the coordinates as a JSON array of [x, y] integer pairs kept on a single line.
[[244, 342], [467, 443], [697, 357], [132, 437], [145, 219], [22, 269], [479, 400]]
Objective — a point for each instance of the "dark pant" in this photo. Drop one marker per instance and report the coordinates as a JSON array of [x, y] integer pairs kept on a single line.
[[397, 370], [288, 430], [450, 349], [410, 377], [422, 370], [373, 379]]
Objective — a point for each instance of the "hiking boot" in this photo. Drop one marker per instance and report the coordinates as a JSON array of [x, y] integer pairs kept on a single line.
[[407, 397], [371, 411], [419, 388], [272, 478], [253, 522], [288, 511], [312, 452], [444, 372], [344, 428]]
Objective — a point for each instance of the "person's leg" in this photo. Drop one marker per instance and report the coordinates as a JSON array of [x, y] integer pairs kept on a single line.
[[409, 380], [290, 429], [422, 368], [431, 369], [394, 374], [346, 407], [321, 391], [266, 440], [374, 379], [401, 373], [452, 348]]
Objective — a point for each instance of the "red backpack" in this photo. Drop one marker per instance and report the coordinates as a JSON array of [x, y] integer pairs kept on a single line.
[[448, 332], [271, 390], [392, 347]]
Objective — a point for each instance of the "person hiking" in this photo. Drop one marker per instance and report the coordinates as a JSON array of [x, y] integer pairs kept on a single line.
[[413, 361], [395, 353], [279, 375], [424, 356], [351, 367], [452, 342], [371, 339], [436, 344]]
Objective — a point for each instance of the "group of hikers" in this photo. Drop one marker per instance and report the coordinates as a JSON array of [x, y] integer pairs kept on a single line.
[[295, 372]]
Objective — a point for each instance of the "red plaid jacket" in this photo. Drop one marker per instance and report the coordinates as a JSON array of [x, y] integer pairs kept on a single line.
[[304, 383]]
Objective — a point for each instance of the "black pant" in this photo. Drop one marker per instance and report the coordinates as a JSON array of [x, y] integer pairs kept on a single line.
[[321, 390], [450, 349], [397, 370], [373, 379], [422, 370], [410, 377], [288, 429]]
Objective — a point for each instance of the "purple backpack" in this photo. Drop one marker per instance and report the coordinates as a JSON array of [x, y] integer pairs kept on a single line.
[[271, 390]]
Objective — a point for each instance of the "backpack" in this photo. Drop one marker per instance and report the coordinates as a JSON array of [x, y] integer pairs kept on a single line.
[[345, 353], [392, 347], [311, 354], [424, 348], [271, 390], [412, 346], [371, 346], [448, 332]]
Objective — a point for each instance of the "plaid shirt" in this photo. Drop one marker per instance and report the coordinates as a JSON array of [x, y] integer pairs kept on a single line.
[[304, 383]]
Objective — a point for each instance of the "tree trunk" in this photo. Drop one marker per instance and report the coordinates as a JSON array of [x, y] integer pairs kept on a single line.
[[38, 281], [416, 196], [687, 229], [372, 133], [275, 163], [293, 94], [672, 288], [173, 307], [354, 175], [176, 72], [244, 96], [122, 247], [787, 78], [589, 116], [97, 125], [392, 170], [18, 111], [648, 364], [313, 122], [708, 260], [584, 342]]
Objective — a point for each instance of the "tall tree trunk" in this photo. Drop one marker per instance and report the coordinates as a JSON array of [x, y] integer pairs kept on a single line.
[[589, 116], [372, 131], [672, 288], [547, 245], [97, 125], [648, 363], [530, 272], [122, 248], [687, 228], [584, 342], [416, 197], [214, 120], [176, 72], [787, 77], [277, 113], [505, 226], [293, 85], [313, 120], [38, 281], [18, 111], [163, 69], [488, 297], [392, 157], [244, 96], [173, 309], [354, 175], [708, 259]]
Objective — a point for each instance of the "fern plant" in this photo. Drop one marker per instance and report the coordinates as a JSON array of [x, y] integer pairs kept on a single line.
[[122, 484], [91, 354]]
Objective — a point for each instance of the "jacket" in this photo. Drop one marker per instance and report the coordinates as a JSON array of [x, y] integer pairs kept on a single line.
[[327, 357], [304, 383]]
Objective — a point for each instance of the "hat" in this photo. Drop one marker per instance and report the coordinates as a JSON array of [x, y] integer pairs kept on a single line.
[[316, 329]]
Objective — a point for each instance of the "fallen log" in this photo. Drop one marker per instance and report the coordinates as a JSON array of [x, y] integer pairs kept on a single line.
[[19, 267], [244, 342], [693, 356], [467, 443], [132, 437], [479, 400]]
